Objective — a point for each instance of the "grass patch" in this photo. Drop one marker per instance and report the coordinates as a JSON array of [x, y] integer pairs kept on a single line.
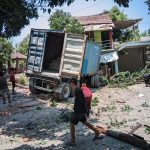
[[145, 105], [53, 103], [116, 123], [147, 130], [22, 79], [94, 101], [40, 143], [126, 108]]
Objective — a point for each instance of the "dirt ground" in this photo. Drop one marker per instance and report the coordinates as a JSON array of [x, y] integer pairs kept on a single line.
[[31, 123]]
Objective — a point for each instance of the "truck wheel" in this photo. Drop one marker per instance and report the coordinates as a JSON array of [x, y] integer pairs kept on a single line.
[[95, 81], [33, 90], [65, 93]]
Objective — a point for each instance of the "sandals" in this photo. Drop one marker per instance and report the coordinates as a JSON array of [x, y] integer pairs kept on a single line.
[[98, 137]]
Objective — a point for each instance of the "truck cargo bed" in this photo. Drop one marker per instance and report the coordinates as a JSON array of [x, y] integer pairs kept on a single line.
[[45, 73]]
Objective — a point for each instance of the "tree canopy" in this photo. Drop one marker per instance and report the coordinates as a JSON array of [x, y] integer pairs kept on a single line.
[[122, 35], [16, 14], [61, 20], [116, 14], [146, 33], [23, 45], [6, 49]]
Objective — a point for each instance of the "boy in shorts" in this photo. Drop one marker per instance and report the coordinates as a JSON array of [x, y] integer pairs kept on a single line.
[[79, 114]]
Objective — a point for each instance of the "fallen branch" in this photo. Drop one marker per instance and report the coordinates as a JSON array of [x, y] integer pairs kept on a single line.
[[138, 142]]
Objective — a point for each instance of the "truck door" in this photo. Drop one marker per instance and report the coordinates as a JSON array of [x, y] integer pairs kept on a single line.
[[36, 50], [72, 55]]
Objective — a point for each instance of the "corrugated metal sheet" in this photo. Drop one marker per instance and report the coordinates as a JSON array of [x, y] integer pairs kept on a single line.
[[72, 54], [36, 50], [91, 59]]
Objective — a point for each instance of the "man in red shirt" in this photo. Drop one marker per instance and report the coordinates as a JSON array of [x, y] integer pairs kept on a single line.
[[12, 79], [79, 114]]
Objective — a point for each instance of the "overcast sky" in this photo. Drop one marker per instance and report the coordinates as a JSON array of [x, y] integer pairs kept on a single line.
[[137, 9]]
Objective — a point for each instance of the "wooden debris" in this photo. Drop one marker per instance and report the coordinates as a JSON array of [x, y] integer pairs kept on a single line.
[[120, 101], [147, 126], [136, 141], [135, 128]]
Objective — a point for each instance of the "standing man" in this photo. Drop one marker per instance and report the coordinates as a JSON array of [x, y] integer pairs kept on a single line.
[[4, 88], [12, 79], [79, 114]]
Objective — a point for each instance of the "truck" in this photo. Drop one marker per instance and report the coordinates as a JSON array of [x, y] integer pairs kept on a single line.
[[54, 57]]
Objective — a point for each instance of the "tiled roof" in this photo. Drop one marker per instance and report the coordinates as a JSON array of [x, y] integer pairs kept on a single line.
[[17, 55], [102, 18]]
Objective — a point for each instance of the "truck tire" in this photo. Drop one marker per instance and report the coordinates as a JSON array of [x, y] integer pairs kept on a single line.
[[95, 81], [65, 93], [33, 90]]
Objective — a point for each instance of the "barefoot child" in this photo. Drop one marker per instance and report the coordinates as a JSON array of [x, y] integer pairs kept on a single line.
[[79, 114]]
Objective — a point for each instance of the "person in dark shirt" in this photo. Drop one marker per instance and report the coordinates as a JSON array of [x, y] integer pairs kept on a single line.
[[79, 114]]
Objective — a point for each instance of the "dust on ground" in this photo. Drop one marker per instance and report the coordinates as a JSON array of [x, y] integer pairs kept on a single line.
[[31, 123]]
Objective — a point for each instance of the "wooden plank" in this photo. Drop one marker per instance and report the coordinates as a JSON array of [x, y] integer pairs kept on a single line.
[[135, 128]]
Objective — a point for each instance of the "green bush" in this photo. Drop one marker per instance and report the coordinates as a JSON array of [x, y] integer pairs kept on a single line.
[[104, 80], [94, 101], [124, 79], [22, 79]]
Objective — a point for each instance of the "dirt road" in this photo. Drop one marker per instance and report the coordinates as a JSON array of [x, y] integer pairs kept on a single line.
[[31, 123]]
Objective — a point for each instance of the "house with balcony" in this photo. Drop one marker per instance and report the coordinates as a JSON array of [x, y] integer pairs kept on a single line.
[[119, 56]]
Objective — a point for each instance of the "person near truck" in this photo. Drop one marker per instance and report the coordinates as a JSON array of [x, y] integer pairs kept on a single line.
[[87, 96], [12, 79], [79, 114], [4, 91]]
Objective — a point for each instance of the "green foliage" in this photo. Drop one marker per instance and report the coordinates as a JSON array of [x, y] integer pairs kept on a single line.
[[122, 35], [23, 46], [16, 14], [147, 53], [65, 115], [126, 108], [124, 79], [148, 4], [147, 130], [145, 105], [111, 108], [5, 51], [104, 80], [22, 79], [63, 21], [116, 123], [53, 103], [116, 14], [94, 101]]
